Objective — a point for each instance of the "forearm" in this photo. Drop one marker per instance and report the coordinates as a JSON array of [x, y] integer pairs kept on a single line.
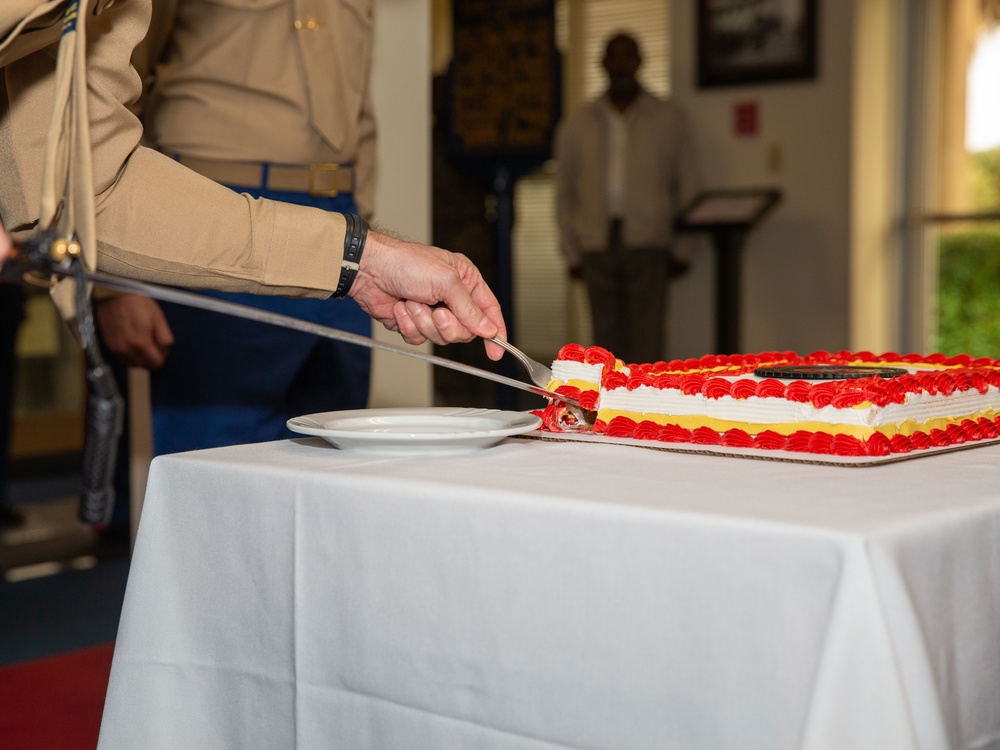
[[166, 224]]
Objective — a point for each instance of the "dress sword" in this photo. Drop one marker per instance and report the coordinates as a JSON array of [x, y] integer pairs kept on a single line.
[[37, 255], [191, 299], [46, 255]]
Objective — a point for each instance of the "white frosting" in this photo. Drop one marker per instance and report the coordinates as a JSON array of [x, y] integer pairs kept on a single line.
[[566, 370], [756, 410]]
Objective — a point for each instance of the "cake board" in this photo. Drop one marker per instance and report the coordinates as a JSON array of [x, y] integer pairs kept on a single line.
[[755, 453]]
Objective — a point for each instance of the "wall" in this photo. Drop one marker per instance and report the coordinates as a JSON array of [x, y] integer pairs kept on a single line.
[[796, 264], [876, 249], [401, 91]]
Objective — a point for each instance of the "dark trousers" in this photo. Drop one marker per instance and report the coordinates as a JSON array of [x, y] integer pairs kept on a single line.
[[229, 381], [627, 287], [11, 315]]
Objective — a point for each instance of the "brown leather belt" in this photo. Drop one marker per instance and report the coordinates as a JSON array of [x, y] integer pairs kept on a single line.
[[325, 180]]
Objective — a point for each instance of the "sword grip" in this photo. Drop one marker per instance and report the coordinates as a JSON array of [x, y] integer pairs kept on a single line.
[[105, 409]]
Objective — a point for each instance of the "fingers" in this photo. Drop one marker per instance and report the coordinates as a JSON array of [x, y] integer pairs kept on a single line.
[[482, 317], [474, 306], [401, 284], [158, 345], [140, 351], [150, 355], [418, 323], [135, 330]]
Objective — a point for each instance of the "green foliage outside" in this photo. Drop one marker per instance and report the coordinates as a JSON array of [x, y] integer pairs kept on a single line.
[[969, 293], [986, 179], [969, 273]]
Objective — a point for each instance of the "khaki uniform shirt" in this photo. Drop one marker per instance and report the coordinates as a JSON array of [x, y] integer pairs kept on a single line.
[[661, 176], [283, 81], [156, 220]]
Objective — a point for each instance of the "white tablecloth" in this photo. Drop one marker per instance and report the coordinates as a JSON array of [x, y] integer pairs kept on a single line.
[[552, 595]]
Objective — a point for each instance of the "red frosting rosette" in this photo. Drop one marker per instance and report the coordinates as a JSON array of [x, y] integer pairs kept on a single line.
[[621, 426], [939, 438], [771, 388], [850, 399], [598, 355], [667, 380], [569, 391], [737, 438], [705, 436], [847, 445], [743, 388], [824, 393], [692, 384], [588, 400], [637, 380], [972, 429], [647, 430], [988, 428], [878, 445], [820, 443], [798, 391], [798, 441], [571, 353], [769, 440], [717, 388], [614, 380], [901, 444], [674, 433]]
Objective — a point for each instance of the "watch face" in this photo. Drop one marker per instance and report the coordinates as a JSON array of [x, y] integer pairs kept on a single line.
[[829, 372]]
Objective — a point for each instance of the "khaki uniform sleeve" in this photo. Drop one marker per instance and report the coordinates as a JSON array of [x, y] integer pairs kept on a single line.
[[156, 220]]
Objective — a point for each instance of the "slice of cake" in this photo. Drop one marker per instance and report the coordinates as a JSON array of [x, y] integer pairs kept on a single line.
[[844, 404]]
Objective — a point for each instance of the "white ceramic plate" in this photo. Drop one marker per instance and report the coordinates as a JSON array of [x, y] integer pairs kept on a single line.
[[438, 430]]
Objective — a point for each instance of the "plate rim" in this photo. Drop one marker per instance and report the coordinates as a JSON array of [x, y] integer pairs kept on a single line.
[[518, 422]]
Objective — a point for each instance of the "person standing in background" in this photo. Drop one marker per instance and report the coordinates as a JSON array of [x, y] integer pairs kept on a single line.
[[272, 100], [626, 166]]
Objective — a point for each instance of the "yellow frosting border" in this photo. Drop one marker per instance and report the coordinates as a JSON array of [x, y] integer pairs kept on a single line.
[[907, 427]]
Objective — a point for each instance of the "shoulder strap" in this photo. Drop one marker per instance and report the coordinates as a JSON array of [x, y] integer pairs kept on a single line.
[[67, 201], [27, 26]]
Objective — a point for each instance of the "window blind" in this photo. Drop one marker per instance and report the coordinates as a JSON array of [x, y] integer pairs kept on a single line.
[[646, 20]]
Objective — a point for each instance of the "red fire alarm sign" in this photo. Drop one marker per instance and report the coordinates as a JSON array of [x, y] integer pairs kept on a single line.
[[745, 118]]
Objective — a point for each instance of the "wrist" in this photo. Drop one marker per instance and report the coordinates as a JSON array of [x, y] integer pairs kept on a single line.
[[355, 238]]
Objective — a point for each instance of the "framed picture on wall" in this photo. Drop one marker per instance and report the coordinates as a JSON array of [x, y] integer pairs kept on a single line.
[[744, 42]]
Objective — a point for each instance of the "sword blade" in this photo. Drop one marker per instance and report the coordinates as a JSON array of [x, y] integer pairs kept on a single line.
[[191, 299]]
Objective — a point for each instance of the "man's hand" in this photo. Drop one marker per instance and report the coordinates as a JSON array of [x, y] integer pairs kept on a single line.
[[135, 330], [400, 282]]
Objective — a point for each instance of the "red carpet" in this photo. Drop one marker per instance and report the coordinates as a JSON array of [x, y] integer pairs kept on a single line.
[[54, 703]]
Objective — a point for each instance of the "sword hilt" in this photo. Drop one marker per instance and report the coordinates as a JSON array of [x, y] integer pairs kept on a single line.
[[39, 256], [35, 260]]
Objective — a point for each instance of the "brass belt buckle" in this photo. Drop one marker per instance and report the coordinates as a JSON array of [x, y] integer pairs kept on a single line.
[[315, 170]]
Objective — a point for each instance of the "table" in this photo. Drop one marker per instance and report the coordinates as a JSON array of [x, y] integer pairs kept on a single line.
[[557, 595]]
